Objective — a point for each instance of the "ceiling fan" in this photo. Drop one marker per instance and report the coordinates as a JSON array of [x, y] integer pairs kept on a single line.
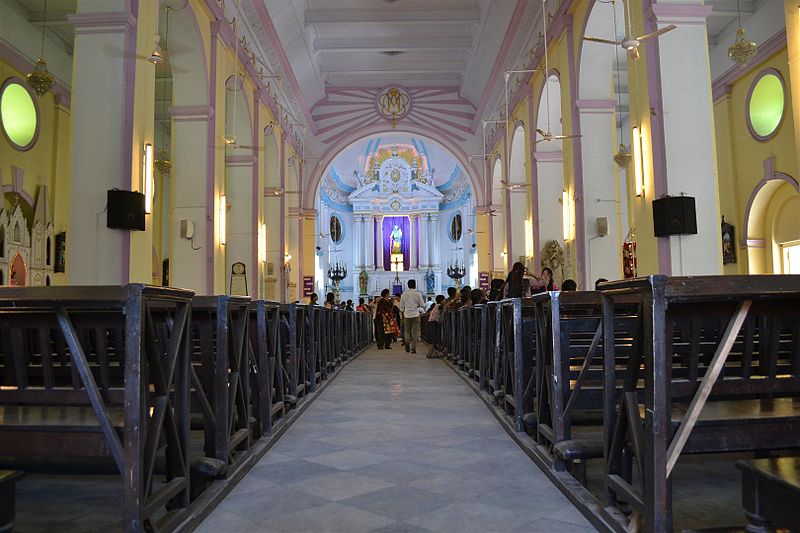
[[512, 186], [629, 42], [548, 135], [490, 213]]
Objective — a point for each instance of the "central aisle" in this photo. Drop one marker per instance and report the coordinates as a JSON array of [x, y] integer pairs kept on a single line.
[[396, 443]]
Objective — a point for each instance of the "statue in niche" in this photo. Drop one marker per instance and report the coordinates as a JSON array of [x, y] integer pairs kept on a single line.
[[363, 280], [396, 240], [430, 281]]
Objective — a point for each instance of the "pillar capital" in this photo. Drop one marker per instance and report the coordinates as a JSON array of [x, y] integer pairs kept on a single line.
[[680, 13]]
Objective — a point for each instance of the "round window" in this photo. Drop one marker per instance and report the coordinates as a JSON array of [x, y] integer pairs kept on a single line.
[[336, 230], [455, 228], [18, 115], [766, 104]]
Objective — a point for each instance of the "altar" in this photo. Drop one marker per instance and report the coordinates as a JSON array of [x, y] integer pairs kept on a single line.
[[396, 215]]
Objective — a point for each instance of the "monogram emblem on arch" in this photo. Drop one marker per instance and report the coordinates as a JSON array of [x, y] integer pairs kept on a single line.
[[393, 104]]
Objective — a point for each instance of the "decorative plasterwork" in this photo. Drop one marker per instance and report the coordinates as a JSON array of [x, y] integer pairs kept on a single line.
[[441, 109]]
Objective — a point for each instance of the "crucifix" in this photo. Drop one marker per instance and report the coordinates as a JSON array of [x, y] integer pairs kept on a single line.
[[397, 262]]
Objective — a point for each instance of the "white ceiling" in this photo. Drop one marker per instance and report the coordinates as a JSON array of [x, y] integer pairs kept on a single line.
[[373, 43]]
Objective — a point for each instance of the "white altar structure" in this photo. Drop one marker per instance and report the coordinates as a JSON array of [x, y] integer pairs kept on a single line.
[[394, 188]]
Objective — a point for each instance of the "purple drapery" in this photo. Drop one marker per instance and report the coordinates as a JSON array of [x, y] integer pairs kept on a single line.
[[388, 225]]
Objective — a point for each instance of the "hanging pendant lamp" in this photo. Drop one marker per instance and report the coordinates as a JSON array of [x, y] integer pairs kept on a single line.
[[40, 79], [743, 49]]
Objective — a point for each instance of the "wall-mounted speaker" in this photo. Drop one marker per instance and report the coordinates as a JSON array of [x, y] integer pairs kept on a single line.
[[602, 226], [125, 210], [674, 215]]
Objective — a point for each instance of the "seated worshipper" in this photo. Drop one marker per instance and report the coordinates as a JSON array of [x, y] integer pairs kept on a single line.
[[545, 282], [434, 319], [597, 283], [464, 296], [453, 298], [361, 306], [477, 297], [569, 285], [329, 301], [496, 289], [349, 306], [385, 323], [517, 285], [411, 305], [313, 299]]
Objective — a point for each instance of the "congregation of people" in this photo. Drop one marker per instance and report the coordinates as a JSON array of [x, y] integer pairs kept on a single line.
[[398, 317]]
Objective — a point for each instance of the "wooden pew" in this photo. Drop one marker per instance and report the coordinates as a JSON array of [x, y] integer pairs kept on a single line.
[[489, 350], [266, 360], [516, 353], [743, 398], [220, 375], [771, 493], [101, 372], [569, 369]]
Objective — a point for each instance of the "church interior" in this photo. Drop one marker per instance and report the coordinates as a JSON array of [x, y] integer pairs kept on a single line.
[[185, 183]]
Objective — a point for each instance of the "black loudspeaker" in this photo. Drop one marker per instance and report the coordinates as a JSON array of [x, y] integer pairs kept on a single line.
[[674, 215], [125, 210]]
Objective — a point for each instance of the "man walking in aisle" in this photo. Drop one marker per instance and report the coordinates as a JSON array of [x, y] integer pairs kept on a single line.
[[411, 304]]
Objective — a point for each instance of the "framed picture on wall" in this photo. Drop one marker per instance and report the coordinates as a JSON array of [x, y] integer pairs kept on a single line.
[[728, 243], [60, 263]]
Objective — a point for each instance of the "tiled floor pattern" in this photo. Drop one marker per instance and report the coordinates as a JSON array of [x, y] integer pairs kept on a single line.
[[397, 443]]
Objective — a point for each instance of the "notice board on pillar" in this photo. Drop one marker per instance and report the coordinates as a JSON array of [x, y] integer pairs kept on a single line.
[[238, 284], [483, 280], [308, 286]]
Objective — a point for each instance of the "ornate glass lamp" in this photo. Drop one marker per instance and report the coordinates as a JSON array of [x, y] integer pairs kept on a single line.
[[40, 78], [743, 49], [337, 272]]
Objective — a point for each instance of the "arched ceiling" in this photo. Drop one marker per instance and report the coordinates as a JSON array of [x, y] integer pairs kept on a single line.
[[430, 156]]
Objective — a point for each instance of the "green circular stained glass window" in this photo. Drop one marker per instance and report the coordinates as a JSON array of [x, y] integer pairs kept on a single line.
[[18, 115], [766, 104]]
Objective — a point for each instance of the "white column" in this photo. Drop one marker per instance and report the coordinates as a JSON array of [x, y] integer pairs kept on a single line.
[[101, 149], [412, 262], [424, 237], [358, 242], [378, 243], [369, 242], [600, 194], [689, 134], [433, 241]]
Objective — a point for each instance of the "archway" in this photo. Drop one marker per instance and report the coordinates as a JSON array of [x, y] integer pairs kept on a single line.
[[498, 214], [605, 124], [516, 191], [772, 223], [550, 170], [394, 179], [18, 272], [240, 189], [193, 188]]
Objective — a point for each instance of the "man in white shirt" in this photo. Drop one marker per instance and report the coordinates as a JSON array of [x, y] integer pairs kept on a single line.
[[411, 303]]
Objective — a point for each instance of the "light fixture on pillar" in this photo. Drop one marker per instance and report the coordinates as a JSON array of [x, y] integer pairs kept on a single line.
[[222, 215], [39, 78], [743, 49], [638, 171], [528, 237], [147, 177], [456, 272], [262, 242], [566, 214]]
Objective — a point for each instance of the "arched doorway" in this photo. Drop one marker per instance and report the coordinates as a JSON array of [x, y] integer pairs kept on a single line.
[[18, 272], [498, 215], [772, 223]]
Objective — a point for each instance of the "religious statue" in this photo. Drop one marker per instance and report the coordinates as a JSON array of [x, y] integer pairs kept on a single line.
[[430, 281], [363, 279], [553, 257], [396, 240]]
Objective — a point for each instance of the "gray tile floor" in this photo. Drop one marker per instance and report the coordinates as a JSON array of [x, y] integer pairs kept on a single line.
[[397, 443]]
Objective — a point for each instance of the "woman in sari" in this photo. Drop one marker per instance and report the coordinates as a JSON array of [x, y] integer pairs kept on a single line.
[[385, 323]]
